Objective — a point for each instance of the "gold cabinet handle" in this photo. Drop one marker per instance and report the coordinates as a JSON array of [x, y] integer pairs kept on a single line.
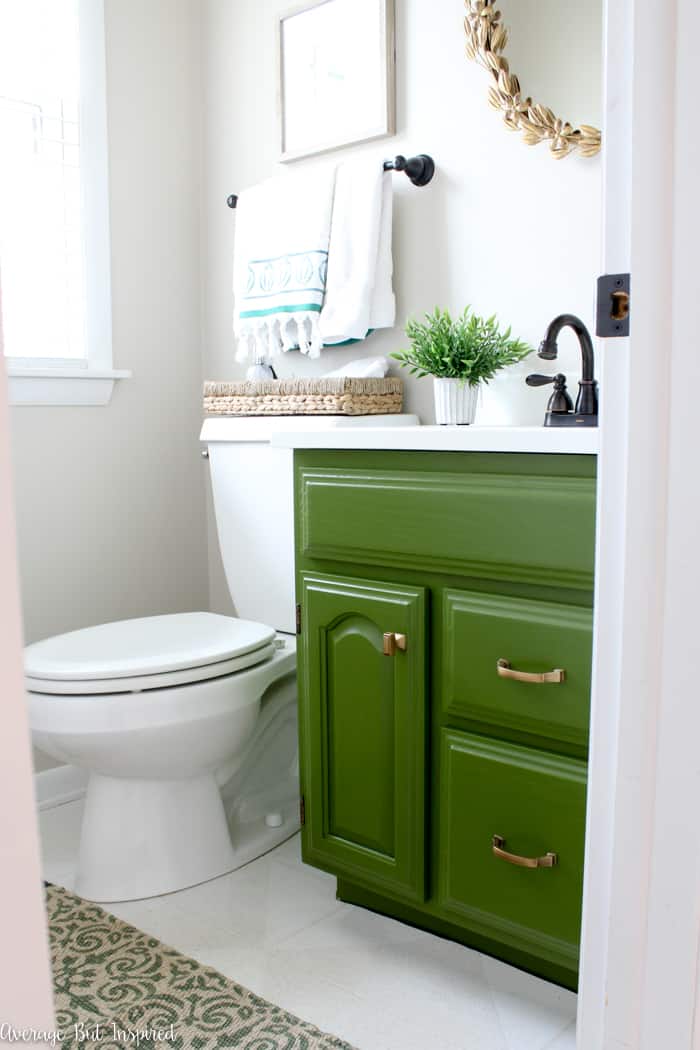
[[548, 861], [394, 641], [506, 671]]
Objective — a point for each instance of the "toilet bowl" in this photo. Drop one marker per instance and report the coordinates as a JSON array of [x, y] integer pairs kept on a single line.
[[159, 711]]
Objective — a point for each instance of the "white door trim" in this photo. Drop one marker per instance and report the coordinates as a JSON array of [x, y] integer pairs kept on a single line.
[[613, 366], [641, 904], [670, 976], [26, 999]]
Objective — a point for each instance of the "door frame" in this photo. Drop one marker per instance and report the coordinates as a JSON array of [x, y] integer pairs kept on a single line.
[[641, 919], [26, 996]]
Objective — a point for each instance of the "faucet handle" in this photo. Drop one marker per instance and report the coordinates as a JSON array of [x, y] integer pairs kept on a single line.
[[559, 402], [538, 380]]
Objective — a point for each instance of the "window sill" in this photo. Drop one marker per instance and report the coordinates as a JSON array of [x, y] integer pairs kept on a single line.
[[62, 386]]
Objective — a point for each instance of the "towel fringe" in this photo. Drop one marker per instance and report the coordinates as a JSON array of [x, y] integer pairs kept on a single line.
[[263, 338]]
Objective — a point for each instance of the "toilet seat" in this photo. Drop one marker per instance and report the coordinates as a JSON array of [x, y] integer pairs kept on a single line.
[[145, 654], [145, 683]]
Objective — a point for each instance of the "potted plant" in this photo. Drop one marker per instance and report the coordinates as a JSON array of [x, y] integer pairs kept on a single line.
[[460, 354]]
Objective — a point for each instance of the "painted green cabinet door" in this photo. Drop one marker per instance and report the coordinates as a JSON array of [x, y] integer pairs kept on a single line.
[[363, 732], [511, 844]]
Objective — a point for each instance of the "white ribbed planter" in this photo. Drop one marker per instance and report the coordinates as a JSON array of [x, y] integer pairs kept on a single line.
[[455, 401]]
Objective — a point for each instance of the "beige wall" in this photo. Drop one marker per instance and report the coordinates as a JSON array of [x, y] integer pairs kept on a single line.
[[503, 227], [110, 501]]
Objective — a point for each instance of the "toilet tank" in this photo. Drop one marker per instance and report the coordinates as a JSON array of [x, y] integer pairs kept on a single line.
[[252, 488], [253, 491]]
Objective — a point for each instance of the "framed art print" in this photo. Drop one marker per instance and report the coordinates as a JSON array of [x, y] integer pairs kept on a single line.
[[336, 75]]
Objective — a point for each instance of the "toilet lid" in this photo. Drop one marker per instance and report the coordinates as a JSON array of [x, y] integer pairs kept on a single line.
[[149, 646]]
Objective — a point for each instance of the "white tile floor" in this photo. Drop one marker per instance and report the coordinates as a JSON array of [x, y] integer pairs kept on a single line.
[[276, 927]]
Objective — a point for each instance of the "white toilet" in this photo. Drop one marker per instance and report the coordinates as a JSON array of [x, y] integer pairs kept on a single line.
[[187, 723]]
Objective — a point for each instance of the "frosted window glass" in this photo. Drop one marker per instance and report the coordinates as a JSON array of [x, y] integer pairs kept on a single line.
[[42, 267]]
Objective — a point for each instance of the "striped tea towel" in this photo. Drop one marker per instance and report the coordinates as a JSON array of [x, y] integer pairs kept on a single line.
[[280, 263]]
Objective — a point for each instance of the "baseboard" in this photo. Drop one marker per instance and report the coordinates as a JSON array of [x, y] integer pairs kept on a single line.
[[54, 787]]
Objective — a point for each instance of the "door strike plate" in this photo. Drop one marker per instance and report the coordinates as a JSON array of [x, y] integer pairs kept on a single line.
[[613, 306]]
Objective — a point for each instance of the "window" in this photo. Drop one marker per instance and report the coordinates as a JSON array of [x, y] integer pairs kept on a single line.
[[55, 299]]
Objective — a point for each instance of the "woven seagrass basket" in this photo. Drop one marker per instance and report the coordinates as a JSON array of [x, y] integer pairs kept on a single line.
[[304, 397]]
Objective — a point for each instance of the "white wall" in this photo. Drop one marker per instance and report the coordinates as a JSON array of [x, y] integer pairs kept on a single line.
[[110, 501], [503, 226]]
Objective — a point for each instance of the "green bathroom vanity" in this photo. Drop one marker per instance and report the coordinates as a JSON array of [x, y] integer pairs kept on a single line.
[[445, 608]]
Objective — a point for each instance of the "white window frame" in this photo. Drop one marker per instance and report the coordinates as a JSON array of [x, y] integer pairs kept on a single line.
[[55, 382]]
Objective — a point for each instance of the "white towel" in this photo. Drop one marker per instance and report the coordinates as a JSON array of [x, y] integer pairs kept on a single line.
[[359, 295], [312, 262], [362, 368], [280, 263]]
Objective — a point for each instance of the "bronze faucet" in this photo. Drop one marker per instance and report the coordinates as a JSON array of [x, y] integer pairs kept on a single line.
[[560, 412]]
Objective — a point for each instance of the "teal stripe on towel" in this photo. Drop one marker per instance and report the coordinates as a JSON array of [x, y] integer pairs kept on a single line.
[[306, 308]]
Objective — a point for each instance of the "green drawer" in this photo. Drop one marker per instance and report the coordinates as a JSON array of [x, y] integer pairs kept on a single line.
[[478, 630], [535, 803], [525, 527]]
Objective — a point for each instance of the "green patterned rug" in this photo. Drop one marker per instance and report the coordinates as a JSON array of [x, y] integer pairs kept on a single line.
[[115, 986]]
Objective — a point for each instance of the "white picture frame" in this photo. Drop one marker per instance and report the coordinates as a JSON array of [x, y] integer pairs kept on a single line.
[[336, 75]]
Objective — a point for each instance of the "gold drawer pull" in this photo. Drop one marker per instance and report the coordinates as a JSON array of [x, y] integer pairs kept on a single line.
[[548, 861], [506, 671], [394, 641]]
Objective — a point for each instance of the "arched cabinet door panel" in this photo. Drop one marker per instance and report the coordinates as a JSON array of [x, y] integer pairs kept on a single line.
[[362, 697]]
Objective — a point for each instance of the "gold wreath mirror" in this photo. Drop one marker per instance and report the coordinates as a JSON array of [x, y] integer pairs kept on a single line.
[[487, 38]]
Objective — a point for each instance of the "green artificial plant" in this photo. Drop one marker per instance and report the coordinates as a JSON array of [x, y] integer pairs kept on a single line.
[[468, 347]]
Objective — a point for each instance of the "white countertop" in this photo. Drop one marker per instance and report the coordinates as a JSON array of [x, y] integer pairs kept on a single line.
[[262, 429], [583, 441]]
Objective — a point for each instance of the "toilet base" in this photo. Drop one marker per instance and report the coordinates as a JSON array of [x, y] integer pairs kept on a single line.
[[143, 838], [147, 836]]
